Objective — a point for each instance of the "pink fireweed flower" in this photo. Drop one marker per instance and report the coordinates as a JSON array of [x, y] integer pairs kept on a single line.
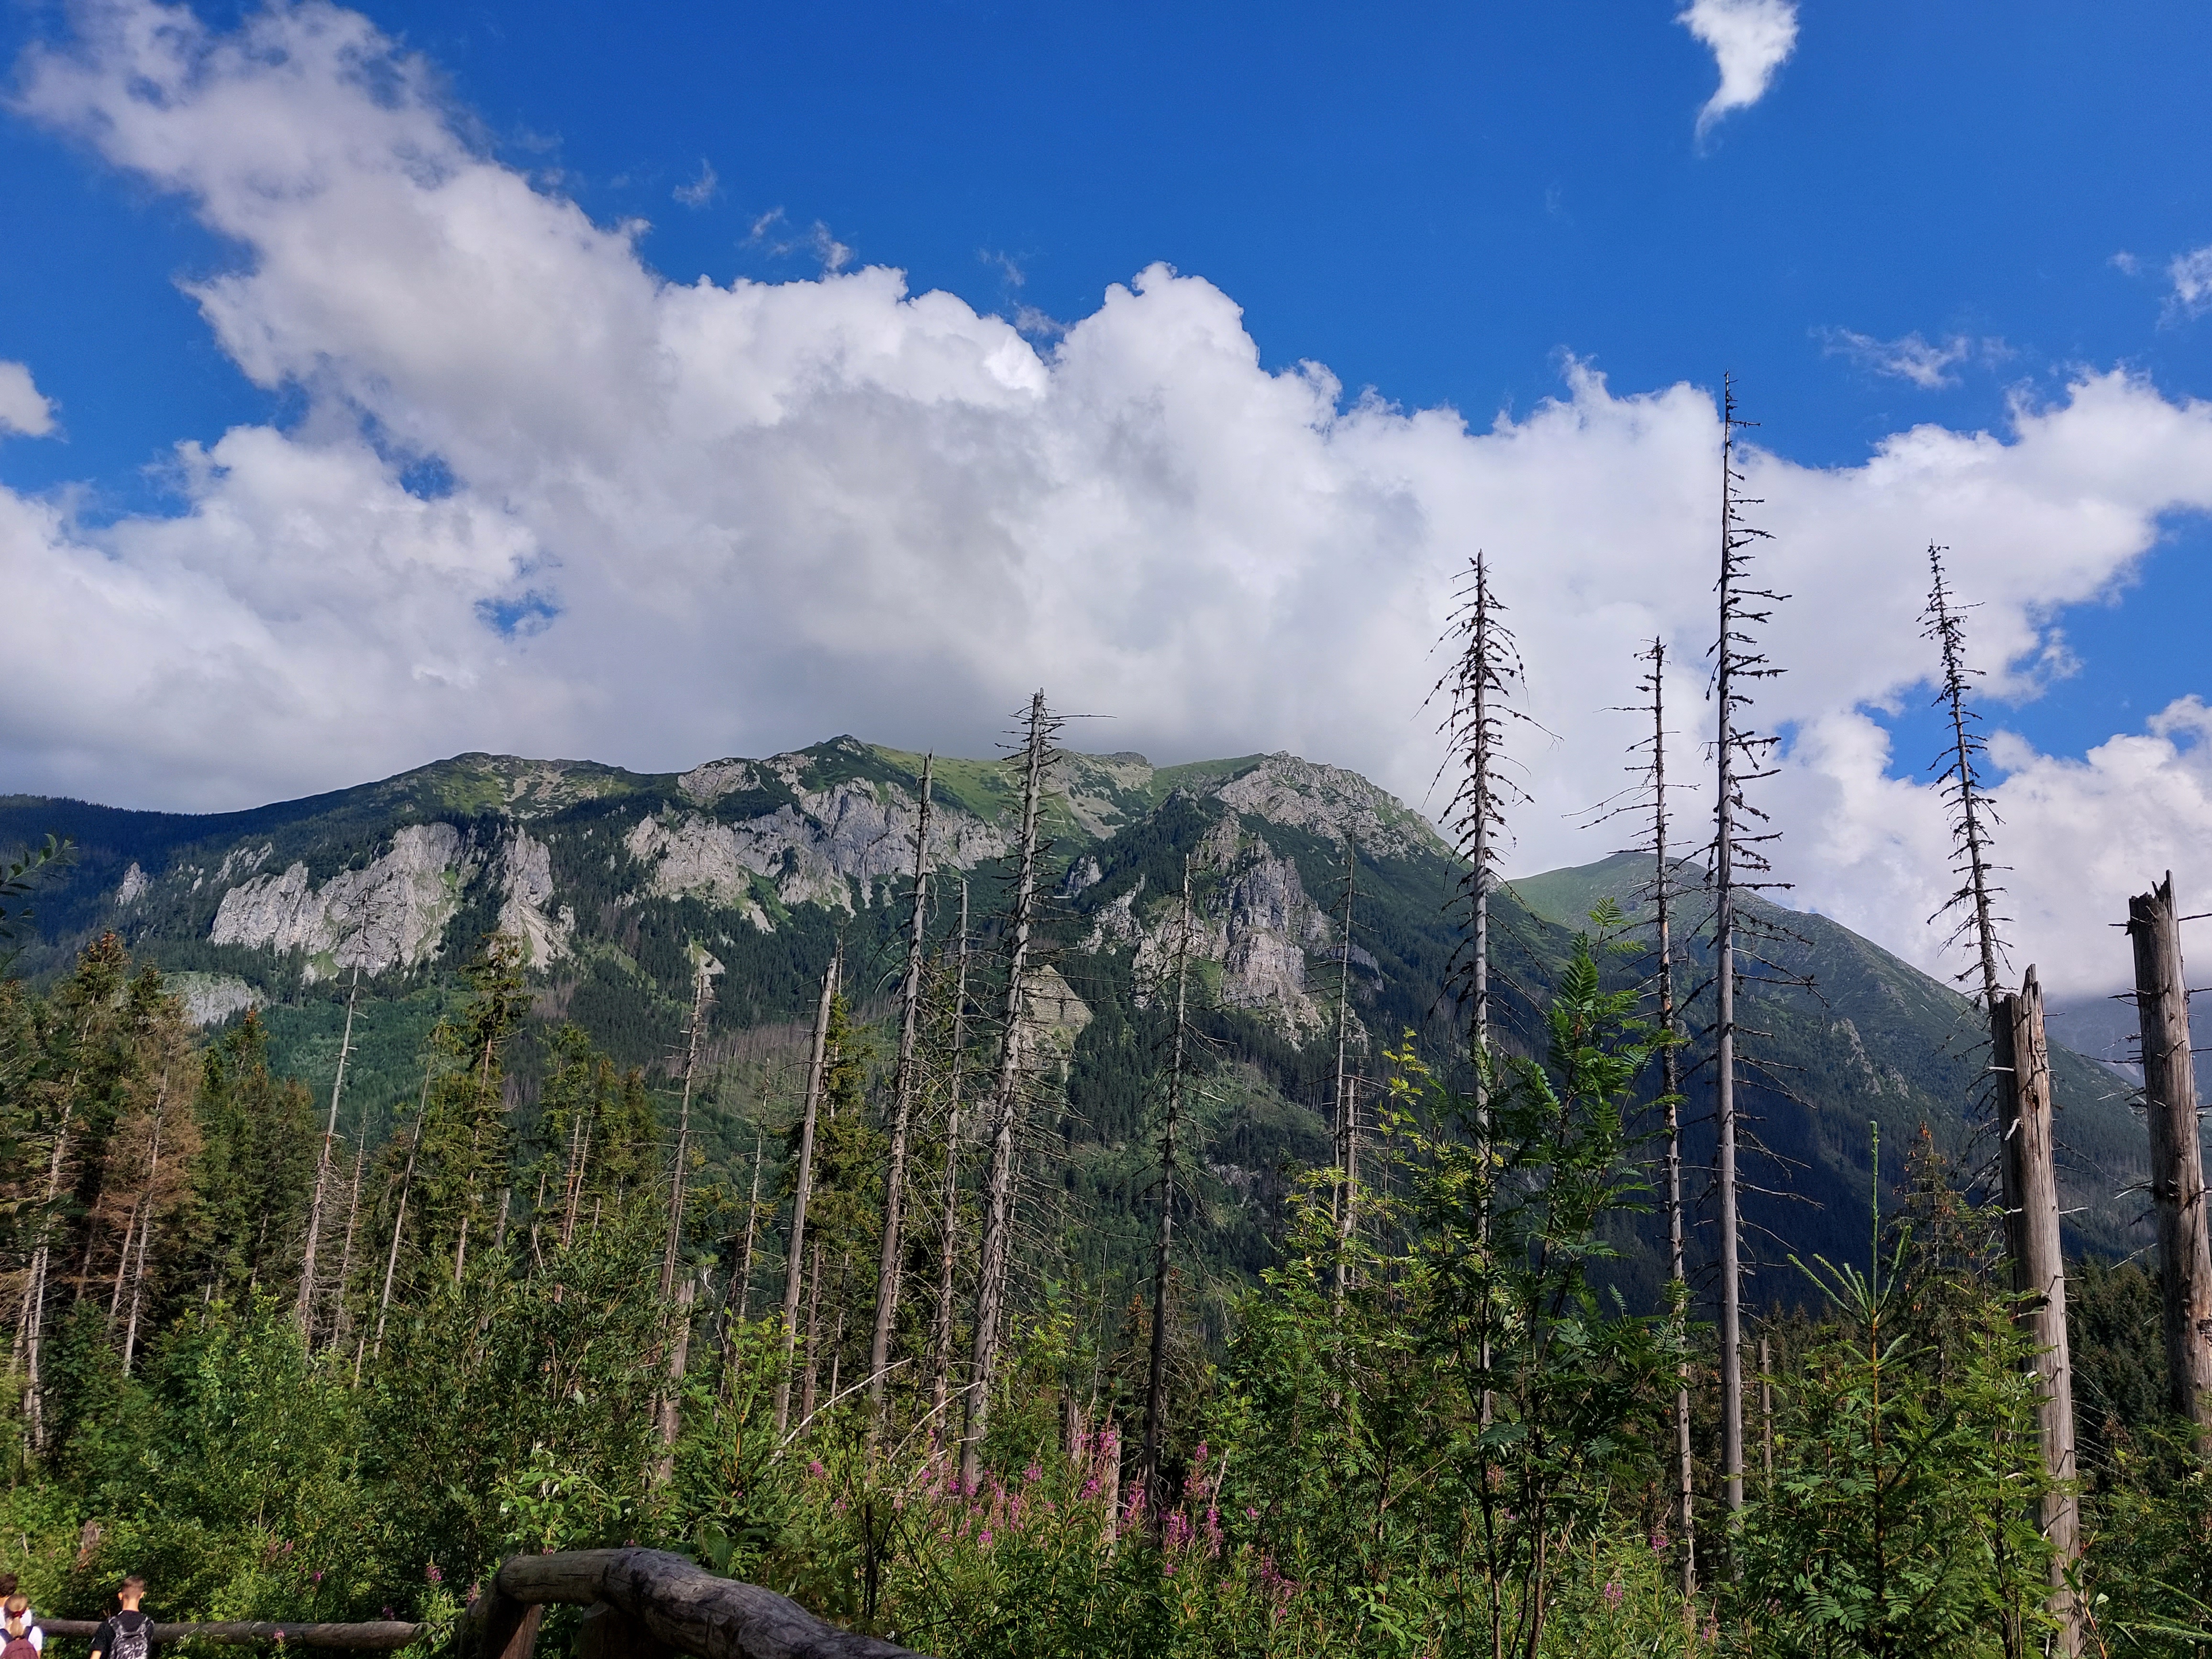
[[1032, 1475], [1613, 1594], [814, 1467], [1251, 1513], [1659, 1543], [433, 1575], [984, 1536]]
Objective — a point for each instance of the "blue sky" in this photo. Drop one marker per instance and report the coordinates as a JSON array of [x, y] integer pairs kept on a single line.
[[1930, 216]]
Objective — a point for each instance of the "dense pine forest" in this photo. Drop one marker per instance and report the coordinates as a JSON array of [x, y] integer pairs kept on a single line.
[[1188, 1214]]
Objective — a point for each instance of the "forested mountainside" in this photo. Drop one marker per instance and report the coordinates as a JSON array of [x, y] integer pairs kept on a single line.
[[613, 882]]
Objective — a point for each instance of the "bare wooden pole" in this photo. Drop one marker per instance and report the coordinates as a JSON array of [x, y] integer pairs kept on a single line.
[[940, 1336], [304, 1312], [702, 989], [794, 1268], [2176, 1171], [1155, 1372], [890, 1270], [1006, 1105]]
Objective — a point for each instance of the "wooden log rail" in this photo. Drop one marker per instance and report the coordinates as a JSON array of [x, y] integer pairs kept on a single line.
[[376, 1636], [645, 1604]]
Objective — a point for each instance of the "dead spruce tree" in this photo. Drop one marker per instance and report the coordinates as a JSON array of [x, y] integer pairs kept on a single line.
[[1478, 690], [1646, 801], [1171, 1121], [795, 1255], [304, 1312], [1345, 1201], [703, 992], [948, 1237], [1742, 755], [2019, 1072], [890, 1270], [1036, 753]]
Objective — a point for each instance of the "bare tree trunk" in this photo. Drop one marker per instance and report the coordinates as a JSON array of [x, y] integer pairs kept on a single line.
[[2176, 1166], [2040, 1274], [889, 1272], [998, 1201], [345, 1253], [699, 994], [672, 1392], [30, 1328], [795, 1265], [304, 1312], [1670, 1091], [1346, 1204], [940, 1337], [1155, 1372], [399, 1218], [752, 1215], [1732, 659], [572, 1182], [145, 1232], [813, 1332]]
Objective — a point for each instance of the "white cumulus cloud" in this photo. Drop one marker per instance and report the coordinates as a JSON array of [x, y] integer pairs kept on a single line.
[[1929, 364], [1750, 39], [2192, 275], [674, 521], [21, 407]]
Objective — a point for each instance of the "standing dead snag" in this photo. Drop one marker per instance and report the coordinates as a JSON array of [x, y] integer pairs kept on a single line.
[[1480, 686], [1156, 1371], [701, 992], [2020, 1068], [889, 1271], [1739, 754], [1345, 1205], [998, 1215], [2176, 1166], [940, 1336], [1663, 891], [304, 1312], [794, 1267]]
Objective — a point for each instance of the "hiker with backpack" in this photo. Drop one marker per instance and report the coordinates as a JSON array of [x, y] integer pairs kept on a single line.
[[18, 1643], [127, 1634], [15, 1610]]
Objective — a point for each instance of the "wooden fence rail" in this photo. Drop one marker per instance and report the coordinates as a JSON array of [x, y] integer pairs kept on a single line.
[[649, 1603], [377, 1635]]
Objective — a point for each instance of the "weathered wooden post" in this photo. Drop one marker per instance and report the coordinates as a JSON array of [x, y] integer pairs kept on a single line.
[[2176, 1167], [2022, 1055]]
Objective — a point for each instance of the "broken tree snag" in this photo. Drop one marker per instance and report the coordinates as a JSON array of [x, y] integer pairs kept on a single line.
[[686, 1607], [2177, 1167], [2040, 1274]]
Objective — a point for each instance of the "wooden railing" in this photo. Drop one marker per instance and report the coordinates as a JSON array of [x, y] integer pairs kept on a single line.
[[376, 1636], [645, 1604]]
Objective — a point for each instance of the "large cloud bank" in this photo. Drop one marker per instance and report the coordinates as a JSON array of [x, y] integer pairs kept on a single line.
[[673, 521]]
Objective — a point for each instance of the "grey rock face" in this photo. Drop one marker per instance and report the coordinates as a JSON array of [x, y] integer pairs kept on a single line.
[[133, 888], [528, 912], [390, 913], [810, 854], [1284, 789]]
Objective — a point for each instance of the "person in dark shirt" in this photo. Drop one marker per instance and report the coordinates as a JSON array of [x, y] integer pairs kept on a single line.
[[128, 1633]]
